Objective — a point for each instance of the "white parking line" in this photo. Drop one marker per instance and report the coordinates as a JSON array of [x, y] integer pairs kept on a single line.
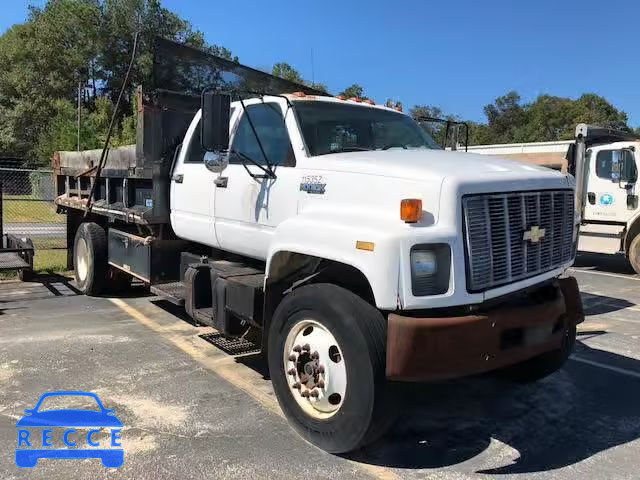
[[622, 371], [606, 274]]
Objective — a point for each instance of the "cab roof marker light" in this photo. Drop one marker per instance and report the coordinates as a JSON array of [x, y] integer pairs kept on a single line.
[[369, 101], [411, 210], [355, 99]]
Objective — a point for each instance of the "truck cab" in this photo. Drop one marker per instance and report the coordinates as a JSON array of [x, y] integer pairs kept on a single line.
[[611, 196], [342, 240]]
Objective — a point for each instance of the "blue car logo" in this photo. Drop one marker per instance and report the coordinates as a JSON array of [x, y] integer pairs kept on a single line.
[[606, 199], [35, 444]]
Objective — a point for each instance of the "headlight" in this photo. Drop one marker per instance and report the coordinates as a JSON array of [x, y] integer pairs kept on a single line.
[[430, 269]]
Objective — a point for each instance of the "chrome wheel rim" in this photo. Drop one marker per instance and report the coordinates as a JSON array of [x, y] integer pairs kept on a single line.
[[315, 369], [82, 259]]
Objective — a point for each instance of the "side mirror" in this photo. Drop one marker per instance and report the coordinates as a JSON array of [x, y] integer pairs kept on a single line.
[[216, 161], [214, 125]]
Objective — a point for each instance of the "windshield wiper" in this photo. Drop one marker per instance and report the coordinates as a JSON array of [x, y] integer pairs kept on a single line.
[[348, 149], [392, 145], [268, 173]]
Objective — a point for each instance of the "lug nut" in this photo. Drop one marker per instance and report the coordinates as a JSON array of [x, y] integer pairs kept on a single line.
[[296, 385], [320, 368], [297, 349], [314, 393], [292, 371], [292, 358], [320, 384], [306, 347], [305, 394]]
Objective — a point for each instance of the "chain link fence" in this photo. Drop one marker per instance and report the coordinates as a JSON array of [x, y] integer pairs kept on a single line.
[[28, 211]]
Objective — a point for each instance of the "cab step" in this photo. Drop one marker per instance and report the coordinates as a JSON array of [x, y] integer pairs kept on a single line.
[[223, 294], [171, 291]]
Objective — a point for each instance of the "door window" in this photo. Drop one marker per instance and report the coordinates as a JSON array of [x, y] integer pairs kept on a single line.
[[269, 125]]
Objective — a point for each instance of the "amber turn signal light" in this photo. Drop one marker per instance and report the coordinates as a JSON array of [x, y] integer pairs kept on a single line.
[[411, 210]]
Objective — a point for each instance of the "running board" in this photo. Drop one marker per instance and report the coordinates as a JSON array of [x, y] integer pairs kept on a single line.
[[173, 292]]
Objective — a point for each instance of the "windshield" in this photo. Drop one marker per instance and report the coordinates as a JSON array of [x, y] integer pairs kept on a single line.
[[329, 127]]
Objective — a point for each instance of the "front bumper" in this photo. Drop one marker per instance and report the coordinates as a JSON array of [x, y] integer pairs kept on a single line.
[[422, 349]]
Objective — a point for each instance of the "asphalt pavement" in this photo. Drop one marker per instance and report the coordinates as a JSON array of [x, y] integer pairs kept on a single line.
[[192, 411]]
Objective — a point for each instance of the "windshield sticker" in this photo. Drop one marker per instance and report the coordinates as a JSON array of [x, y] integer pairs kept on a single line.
[[606, 199], [313, 184]]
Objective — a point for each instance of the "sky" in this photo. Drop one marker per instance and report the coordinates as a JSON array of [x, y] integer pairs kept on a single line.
[[459, 55]]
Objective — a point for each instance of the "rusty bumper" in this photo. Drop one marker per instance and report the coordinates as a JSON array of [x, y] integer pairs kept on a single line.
[[422, 349]]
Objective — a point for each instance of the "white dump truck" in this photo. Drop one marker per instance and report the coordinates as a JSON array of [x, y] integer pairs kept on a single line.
[[337, 236]]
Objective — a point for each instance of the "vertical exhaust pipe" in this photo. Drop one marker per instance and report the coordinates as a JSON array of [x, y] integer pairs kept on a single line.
[[580, 168]]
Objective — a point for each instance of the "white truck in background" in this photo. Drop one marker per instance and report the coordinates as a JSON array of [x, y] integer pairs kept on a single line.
[[338, 237], [608, 203]]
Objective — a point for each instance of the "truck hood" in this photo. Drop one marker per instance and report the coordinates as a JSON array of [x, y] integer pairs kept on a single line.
[[434, 165]]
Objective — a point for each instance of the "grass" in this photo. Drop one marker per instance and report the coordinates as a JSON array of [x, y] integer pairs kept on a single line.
[[45, 262], [26, 209], [50, 261], [21, 209]]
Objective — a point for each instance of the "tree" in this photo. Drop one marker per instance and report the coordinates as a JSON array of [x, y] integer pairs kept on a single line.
[[287, 72], [41, 60], [353, 90], [67, 41], [505, 118], [320, 87]]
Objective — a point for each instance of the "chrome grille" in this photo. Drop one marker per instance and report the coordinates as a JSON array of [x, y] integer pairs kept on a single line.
[[495, 226]]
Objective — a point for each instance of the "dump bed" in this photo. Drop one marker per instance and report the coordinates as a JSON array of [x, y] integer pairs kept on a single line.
[[134, 182]]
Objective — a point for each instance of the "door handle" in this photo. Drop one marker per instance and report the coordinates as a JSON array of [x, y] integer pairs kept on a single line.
[[179, 178], [221, 182], [591, 197]]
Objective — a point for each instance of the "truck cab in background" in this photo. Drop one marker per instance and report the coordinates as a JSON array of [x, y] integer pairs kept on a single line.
[[605, 164]]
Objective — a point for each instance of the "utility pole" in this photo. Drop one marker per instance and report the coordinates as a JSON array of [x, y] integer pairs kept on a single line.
[[82, 73], [79, 109]]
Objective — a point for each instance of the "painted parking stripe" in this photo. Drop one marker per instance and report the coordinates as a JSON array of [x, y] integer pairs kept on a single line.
[[622, 371], [226, 368], [606, 274]]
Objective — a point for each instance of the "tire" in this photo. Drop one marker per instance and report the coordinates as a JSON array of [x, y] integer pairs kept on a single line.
[[353, 367], [90, 259], [543, 365], [634, 254]]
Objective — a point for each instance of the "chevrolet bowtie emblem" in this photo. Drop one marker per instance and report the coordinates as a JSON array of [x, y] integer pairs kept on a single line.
[[534, 234]]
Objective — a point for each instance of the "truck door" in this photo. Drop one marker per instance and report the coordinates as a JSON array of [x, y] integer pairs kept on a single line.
[[192, 191], [611, 183], [611, 197], [247, 207]]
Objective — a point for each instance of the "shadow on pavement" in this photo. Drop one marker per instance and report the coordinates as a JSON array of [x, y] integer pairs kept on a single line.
[[598, 304], [563, 419], [603, 263]]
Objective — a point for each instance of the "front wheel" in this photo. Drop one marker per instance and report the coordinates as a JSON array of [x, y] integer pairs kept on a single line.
[[634, 254], [327, 364]]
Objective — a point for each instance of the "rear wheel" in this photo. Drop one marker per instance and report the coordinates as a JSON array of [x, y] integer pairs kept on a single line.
[[634, 254], [90, 259], [326, 361]]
